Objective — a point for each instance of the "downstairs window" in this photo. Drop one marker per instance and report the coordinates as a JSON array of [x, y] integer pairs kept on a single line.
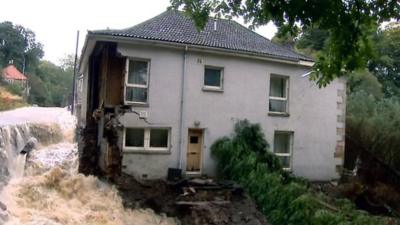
[[283, 148], [146, 139]]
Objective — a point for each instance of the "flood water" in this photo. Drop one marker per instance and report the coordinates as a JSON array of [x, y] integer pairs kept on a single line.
[[42, 186]]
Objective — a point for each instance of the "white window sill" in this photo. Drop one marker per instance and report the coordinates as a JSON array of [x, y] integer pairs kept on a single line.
[[289, 170], [147, 151], [138, 104], [212, 89], [279, 114]]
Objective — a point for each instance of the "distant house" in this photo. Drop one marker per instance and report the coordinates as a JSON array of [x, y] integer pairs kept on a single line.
[[157, 95], [12, 75]]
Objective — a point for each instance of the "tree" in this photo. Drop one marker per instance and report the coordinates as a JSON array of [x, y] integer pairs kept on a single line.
[[19, 44], [348, 23], [56, 80], [386, 63]]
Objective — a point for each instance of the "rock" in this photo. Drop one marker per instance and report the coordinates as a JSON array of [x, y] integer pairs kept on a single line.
[[29, 146], [3, 213], [3, 206]]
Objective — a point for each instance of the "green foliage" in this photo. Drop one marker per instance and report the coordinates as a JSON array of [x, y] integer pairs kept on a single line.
[[313, 39], [51, 84], [283, 198], [38, 92], [373, 124], [15, 89], [386, 63], [347, 22], [364, 80], [19, 44]]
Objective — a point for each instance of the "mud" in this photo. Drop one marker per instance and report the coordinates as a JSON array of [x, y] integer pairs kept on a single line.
[[192, 205]]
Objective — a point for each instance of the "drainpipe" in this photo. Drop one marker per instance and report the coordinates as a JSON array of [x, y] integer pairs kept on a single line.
[[181, 114]]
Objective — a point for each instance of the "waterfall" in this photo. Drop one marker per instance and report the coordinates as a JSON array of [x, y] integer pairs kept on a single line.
[[19, 166], [13, 139]]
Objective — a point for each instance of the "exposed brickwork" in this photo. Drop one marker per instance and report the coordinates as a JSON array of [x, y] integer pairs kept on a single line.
[[340, 131], [341, 126], [341, 119]]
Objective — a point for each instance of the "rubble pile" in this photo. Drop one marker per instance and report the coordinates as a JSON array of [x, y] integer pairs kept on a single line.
[[194, 201]]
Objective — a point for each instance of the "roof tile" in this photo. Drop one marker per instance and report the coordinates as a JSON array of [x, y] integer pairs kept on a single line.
[[12, 73], [174, 26]]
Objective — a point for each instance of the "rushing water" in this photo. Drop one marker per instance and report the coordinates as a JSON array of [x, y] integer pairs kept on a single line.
[[42, 187]]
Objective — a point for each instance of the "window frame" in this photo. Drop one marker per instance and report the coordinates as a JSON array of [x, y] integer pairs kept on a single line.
[[286, 99], [219, 88], [130, 85], [290, 153], [146, 142]]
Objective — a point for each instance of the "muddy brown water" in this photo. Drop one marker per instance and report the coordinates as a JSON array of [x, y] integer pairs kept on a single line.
[[43, 188]]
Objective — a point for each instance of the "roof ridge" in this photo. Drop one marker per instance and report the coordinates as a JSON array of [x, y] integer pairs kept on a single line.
[[147, 21]]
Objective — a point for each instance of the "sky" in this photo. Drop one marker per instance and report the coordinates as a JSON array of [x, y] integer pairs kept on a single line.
[[56, 22]]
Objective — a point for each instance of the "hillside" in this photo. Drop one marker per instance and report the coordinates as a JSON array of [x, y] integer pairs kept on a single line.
[[9, 100]]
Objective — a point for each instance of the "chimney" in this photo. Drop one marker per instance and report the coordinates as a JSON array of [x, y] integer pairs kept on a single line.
[[11, 62], [215, 24]]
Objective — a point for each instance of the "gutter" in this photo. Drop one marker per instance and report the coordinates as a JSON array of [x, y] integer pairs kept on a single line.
[[181, 114]]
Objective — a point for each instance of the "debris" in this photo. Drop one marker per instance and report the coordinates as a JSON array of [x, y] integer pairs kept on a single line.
[[194, 201], [202, 203], [32, 142]]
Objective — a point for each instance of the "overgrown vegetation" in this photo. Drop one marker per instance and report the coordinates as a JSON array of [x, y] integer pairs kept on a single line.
[[284, 199], [10, 96], [50, 84]]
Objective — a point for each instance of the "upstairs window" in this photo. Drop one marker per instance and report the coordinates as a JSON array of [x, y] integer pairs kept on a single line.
[[146, 139], [278, 94], [213, 78], [137, 81], [283, 148]]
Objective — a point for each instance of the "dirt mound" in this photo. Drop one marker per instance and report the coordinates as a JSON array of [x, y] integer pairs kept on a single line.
[[193, 201]]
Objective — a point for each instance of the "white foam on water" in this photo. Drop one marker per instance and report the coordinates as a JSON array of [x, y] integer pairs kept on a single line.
[[46, 189]]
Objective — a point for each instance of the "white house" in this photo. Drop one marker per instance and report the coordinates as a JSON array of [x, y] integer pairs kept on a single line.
[[157, 95]]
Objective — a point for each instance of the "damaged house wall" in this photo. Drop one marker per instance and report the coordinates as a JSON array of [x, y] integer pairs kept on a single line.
[[312, 122], [146, 106], [103, 91]]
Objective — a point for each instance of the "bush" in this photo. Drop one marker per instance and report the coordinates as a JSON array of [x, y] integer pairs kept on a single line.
[[15, 89], [283, 198]]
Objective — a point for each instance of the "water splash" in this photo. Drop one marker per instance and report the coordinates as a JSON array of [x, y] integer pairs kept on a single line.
[[58, 197], [46, 189], [19, 169], [12, 141]]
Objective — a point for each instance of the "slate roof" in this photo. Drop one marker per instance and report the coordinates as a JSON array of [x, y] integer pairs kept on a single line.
[[173, 26], [12, 73]]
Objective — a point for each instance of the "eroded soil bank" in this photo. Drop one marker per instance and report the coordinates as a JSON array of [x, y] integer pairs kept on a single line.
[[193, 201]]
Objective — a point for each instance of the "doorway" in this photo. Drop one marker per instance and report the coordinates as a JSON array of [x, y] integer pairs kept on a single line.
[[195, 146]]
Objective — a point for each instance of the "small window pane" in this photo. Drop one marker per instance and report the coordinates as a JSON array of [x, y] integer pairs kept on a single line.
[[278, 87], [137, 72], [134, 137], [282, 143], [285, 161], [194, 140], [212, 77], [277, 105], [159, 138], [135, 94]]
